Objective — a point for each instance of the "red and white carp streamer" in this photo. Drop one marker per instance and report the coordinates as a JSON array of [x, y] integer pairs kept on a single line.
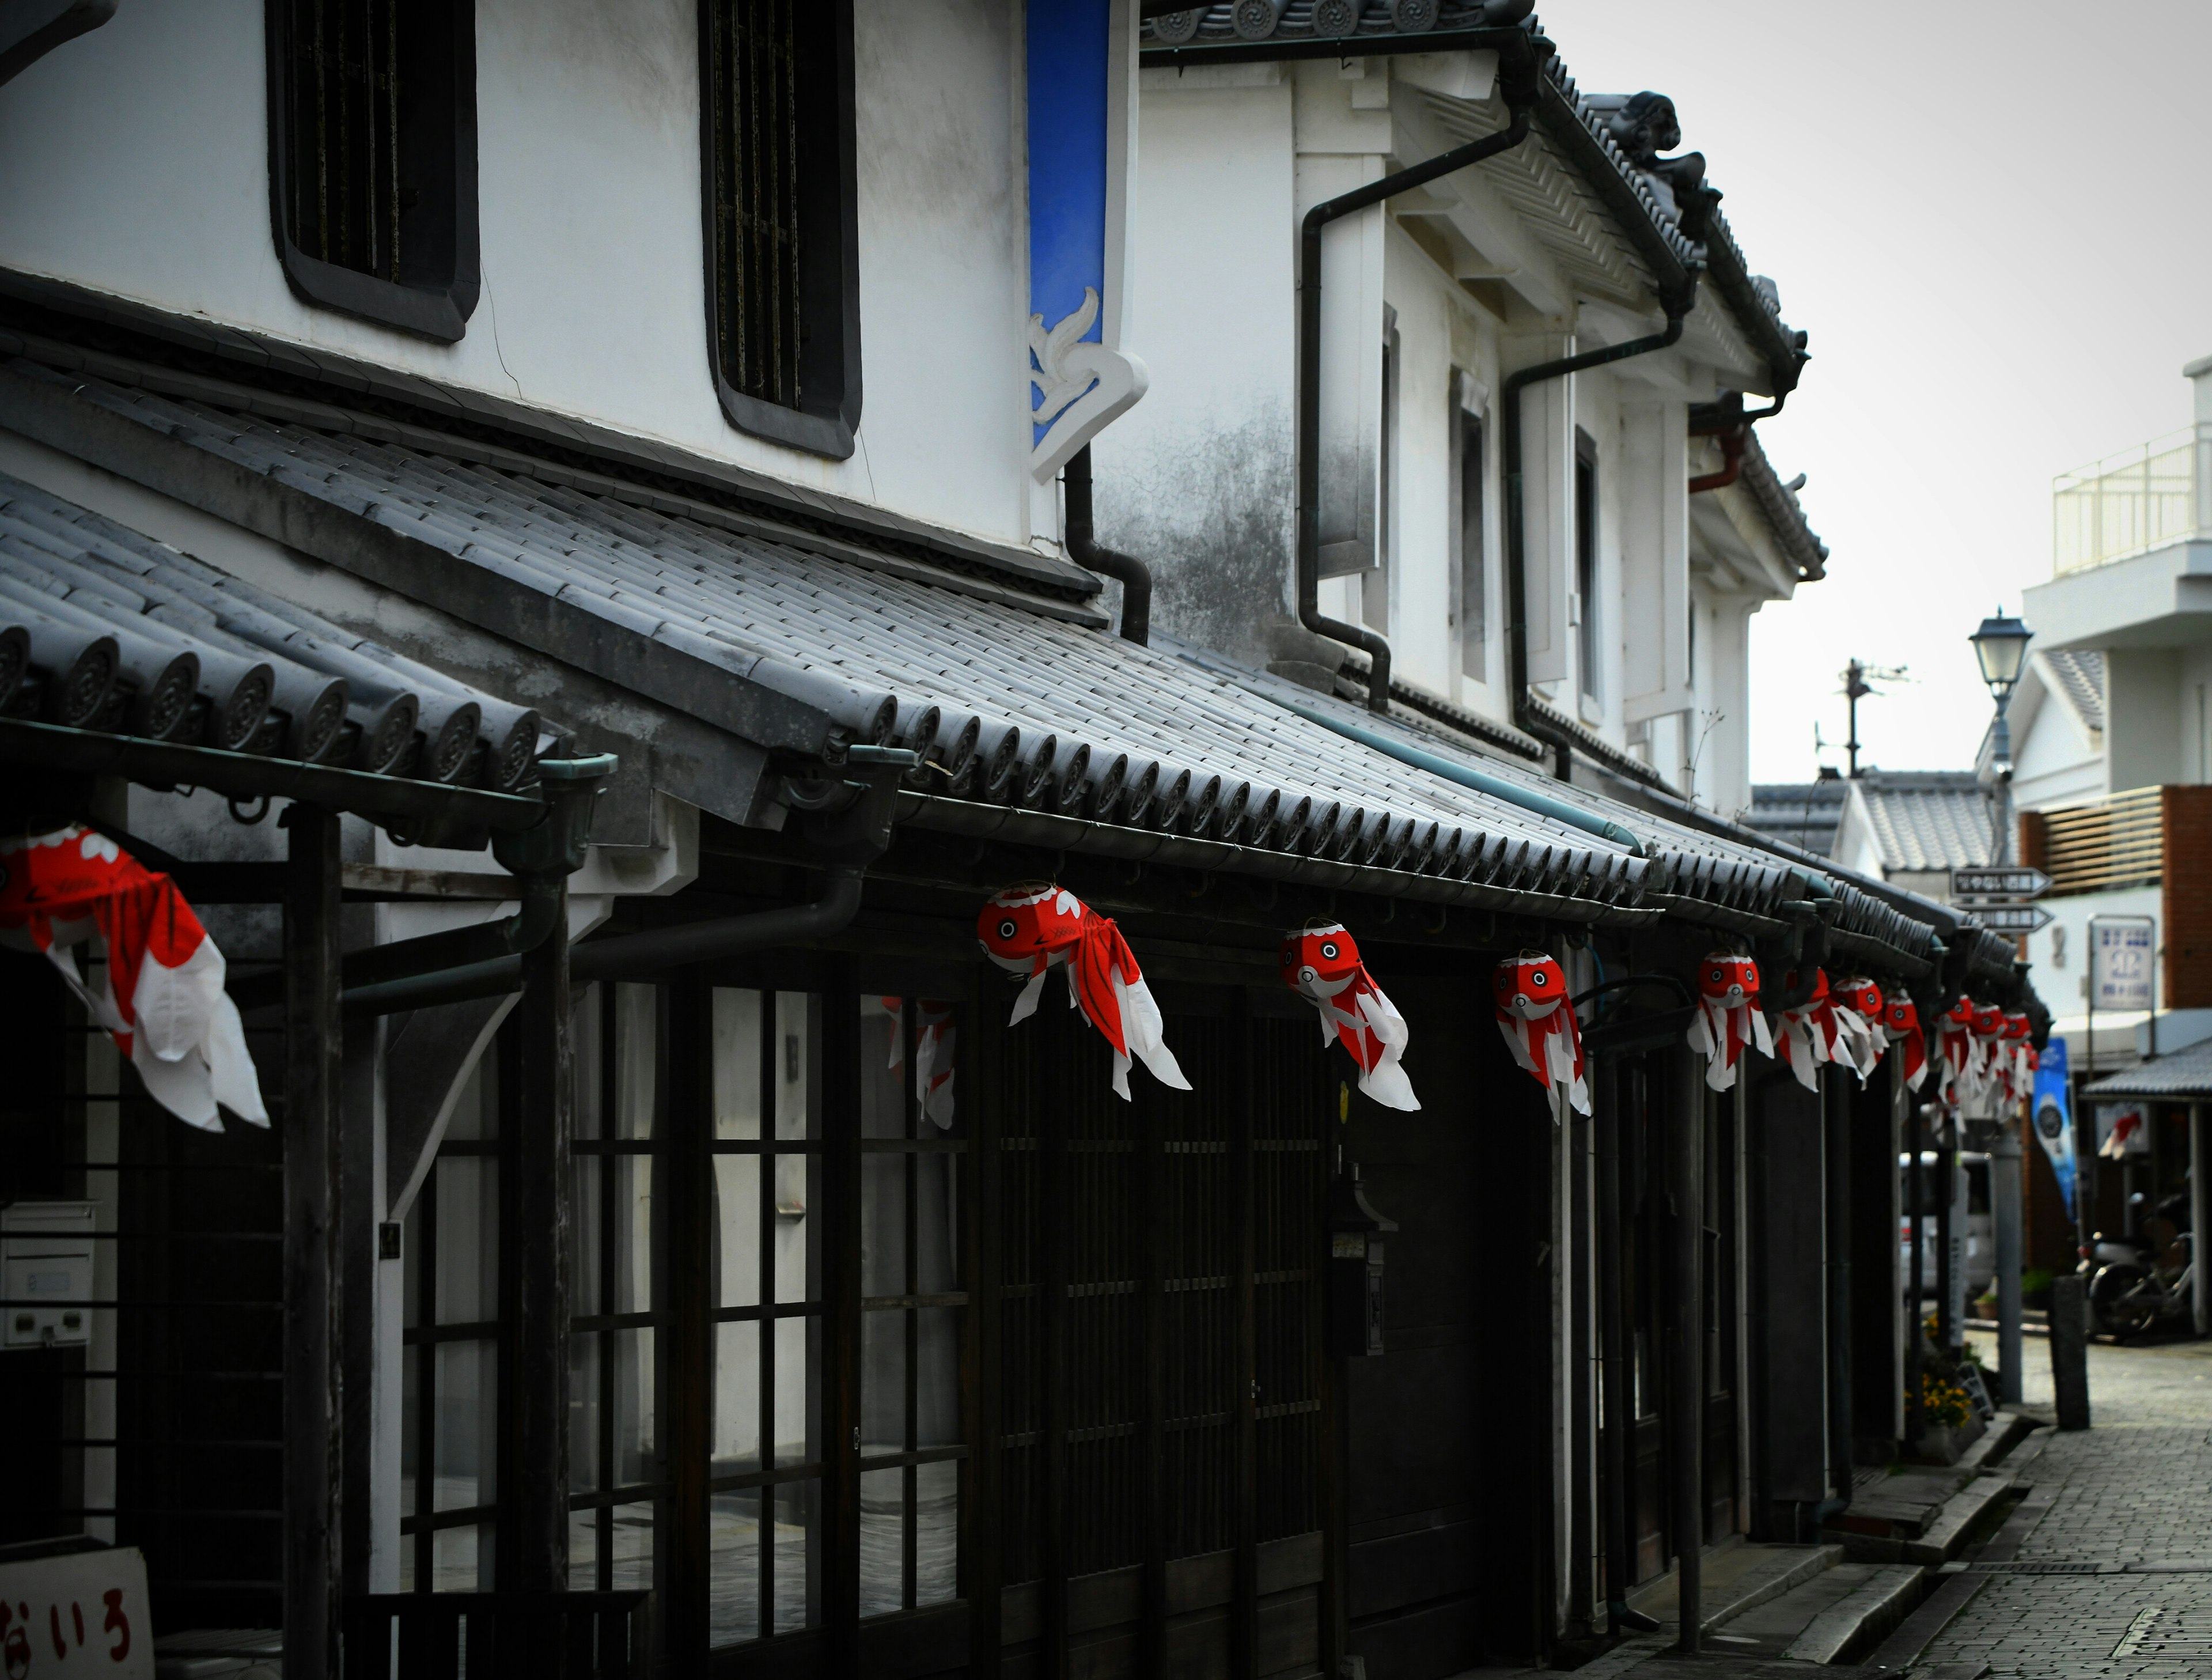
[[1729, 1018], [933, 1039], [1817, 1031], [1027, 929], [162, 1000], [1900, 1021], [1955, 1052], [1321, 964], [2019, 1060], [1862, 998], [1539, 1024], [1989, 1056]]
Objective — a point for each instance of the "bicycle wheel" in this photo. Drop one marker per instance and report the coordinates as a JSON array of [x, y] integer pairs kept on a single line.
[[2124, 1300]]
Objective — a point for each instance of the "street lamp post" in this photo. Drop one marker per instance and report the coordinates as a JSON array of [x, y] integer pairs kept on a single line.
[[2000, 649]]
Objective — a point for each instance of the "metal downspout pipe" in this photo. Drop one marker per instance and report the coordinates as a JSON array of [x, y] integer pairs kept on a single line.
[[1134, 576], [1517, 78], [1516, 556]]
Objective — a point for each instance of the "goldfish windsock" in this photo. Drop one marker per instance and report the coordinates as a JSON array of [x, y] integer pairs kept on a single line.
[[1027, 929], [1900, 1021], [1989, 1056], [1863, 999], [1728, 1017], [1321, 964], [1955, 1077], [2019, 1060], [1816, 1031], [1539, 1024], [162, 1000]]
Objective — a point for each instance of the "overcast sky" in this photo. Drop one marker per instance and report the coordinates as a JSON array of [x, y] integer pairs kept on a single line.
[[1995, 220]]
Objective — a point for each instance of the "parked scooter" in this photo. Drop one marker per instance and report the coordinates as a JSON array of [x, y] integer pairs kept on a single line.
[[2129, 1292]]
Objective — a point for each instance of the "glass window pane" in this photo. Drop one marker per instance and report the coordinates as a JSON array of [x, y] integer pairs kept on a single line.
[[411, 1266], [467, 1376], [630, 1548], [461, 1559], [883, 1224], [937, 1532], [583, 1550], [935, 1032], [475, 1110], [468, 1239], [632, 1255], [797, 1511], [883, 1067], [792, 1118], [737, 1400], [584, 1281], [883, 1540], [737, 1030], [634, 1449], [936, 1376], [736, 1229], [637, 1058], [937, 1224], [585, 1470], [733, 1564], [796, 1276], [883, 1382], [796, 1351], [589, 1065], [410, 1414]]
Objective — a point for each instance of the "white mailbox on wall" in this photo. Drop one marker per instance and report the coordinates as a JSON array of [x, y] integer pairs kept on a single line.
[[46, 1273]]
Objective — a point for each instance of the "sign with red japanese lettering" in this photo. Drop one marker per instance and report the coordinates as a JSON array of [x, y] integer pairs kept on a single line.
[[80, 1614]]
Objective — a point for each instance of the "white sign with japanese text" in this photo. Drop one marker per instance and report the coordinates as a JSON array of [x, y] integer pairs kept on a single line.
[[2122, 958], [82, 1614]]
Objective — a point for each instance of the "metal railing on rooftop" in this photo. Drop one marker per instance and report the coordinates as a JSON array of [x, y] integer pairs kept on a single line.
[[2157, 493]]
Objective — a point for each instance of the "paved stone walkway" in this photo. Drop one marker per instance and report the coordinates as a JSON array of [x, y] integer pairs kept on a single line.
[[2114, 1581], [2130, 1498]]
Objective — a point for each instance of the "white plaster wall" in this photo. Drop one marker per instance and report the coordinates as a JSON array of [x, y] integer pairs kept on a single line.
[[137, 165], [2060, 950], [1199, 478], [2142, 718]]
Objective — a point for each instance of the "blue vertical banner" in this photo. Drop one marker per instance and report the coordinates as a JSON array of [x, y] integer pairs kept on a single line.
[[2053, 1116], [1082, 81]]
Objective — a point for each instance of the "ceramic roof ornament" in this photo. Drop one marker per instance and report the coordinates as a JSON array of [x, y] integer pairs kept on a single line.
[[161, 998], [1320, 963], [1729, 1018], [1029, 928], [1538, 1022]]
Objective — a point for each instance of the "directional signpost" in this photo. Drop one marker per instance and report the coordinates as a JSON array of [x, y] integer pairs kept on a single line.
[[1999, 896]]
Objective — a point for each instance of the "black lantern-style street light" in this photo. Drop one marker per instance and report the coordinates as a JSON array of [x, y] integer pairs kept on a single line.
[[2001, 649]]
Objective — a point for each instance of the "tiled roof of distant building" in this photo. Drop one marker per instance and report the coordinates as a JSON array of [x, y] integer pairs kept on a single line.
[[1804, 813], [1925, 820]]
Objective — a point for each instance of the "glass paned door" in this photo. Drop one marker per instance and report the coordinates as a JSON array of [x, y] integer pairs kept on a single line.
[[913, 1304], [765, 1270]]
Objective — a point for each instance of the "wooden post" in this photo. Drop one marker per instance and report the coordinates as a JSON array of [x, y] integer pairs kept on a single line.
[[1611, 1341], [1687, 1425], [1835, 1118], [2200, 1216], [312, 1048], [533, 1542]]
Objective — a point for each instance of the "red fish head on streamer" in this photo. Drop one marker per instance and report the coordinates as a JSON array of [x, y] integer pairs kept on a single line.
[[1862, 997], [1538, 1023], [1321, 964], [1900, 1019], [1728, 1017], [1029, 928]]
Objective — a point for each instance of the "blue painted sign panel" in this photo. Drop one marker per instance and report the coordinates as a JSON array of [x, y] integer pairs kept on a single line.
[[2053, 1114]]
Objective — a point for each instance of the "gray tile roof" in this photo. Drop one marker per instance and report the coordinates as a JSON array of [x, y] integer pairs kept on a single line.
[[1804, 813], [2185, 1076], [1778, 505], [128, 636], [1020, 709], [1927, 819], [2079, 675]]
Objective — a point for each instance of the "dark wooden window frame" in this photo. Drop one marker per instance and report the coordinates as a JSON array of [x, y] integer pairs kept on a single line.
[[826, 419], [1587, 560], [438, 311]]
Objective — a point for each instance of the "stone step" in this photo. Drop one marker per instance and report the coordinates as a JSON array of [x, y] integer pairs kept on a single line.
[[2007, 1430], [1738, 1578], [1839, 1613], [1943, 1537]]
